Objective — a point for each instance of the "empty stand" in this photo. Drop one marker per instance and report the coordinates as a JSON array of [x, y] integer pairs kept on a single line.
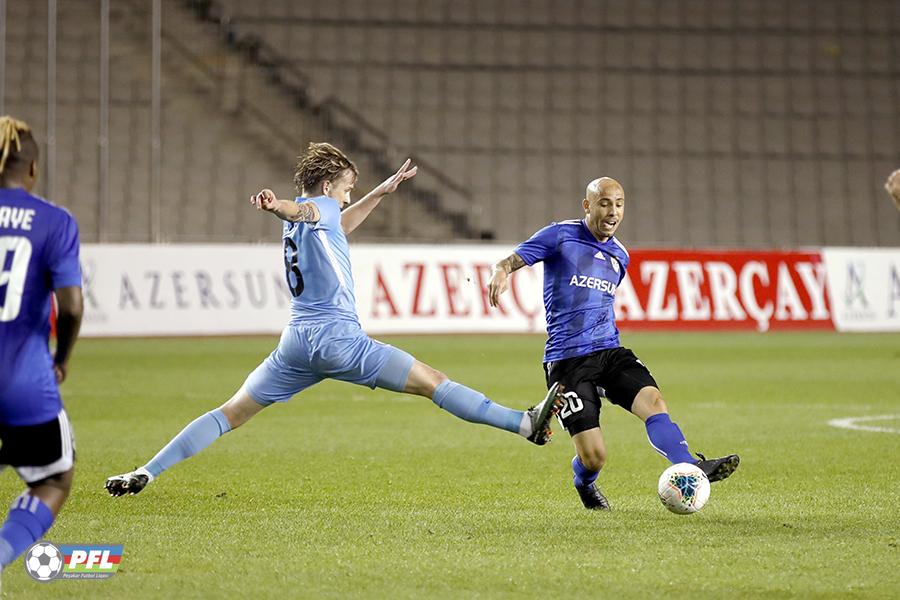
[[756, 123], [730, 124]]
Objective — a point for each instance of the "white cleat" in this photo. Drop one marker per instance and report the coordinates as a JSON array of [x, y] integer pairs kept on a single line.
[[128, 483], [541, 413]]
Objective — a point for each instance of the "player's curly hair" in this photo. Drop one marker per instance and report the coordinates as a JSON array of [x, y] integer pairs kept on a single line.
[[321, 162], [17, 147]]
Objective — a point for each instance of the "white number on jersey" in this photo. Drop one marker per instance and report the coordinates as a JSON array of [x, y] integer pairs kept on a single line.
[[14, 279]]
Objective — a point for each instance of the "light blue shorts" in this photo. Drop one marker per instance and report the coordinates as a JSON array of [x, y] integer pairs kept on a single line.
[[340, 350]]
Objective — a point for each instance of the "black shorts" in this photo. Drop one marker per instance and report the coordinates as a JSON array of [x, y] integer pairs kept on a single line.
[[38, 451], [616, 374]]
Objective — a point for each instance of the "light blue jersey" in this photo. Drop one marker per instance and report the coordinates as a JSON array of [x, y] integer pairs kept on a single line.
[[317, 265], [324, 339]]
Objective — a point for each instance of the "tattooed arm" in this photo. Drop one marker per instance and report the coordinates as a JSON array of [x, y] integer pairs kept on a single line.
[[500, 276], [286, 210]]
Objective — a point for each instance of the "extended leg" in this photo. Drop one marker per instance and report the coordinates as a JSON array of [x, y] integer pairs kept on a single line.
[[667, 439], [475, 407], [664, 435], [199, 434]]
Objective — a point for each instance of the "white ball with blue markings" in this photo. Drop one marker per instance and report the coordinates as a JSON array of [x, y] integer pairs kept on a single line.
[[683, 488]]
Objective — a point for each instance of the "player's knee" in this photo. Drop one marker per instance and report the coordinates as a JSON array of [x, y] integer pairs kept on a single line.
[[592, 458], [234, 415], [240, 408], [656, 401], [435, 379], [234, 420], [649, 401], [423, 380]]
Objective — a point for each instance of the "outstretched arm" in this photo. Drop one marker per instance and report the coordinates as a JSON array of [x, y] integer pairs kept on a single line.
[[353, 216], [500, 276], [892, 185], [286, 210]]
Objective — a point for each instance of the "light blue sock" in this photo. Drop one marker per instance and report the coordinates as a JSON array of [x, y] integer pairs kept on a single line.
[[201, 432], [473, 406], [29, 519]]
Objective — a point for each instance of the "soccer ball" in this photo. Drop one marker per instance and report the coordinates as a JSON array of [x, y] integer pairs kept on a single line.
[[683, 488], [43, 561]]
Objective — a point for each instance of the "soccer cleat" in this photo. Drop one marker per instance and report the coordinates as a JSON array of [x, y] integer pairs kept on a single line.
[[592, 498], [128, 483], [717, 469], [541, 413]]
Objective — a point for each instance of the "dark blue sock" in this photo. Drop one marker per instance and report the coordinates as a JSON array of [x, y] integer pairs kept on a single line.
[[667, 439], [28, 520], [583, 476]]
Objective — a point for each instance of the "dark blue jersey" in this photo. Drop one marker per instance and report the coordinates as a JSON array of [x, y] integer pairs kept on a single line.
[[38, 254], [580, 279]]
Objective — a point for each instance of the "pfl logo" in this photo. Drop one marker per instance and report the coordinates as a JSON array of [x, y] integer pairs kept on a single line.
[[45, 561]]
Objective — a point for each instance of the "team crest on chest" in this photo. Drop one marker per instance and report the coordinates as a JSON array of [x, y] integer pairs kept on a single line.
[[613, 261]]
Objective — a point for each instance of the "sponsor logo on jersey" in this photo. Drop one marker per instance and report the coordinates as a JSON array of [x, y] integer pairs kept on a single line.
[[593, 283]]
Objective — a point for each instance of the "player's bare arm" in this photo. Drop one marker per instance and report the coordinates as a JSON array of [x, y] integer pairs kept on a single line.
[[286, 210], [353, 216], [499, 282], [892, 185], [68, 322]]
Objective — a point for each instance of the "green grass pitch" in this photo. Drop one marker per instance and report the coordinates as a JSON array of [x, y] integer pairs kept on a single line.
[[350, 493]]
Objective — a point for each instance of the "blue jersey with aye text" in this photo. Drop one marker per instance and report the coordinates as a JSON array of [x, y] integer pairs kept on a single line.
[[38, 254]]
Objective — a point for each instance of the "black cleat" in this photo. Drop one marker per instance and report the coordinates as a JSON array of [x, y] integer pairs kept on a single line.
[[128, 483], [541, 413], [717, 469], [592, 498]]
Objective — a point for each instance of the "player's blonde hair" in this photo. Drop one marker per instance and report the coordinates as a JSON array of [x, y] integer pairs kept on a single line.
[[16, 144], [321, 162]]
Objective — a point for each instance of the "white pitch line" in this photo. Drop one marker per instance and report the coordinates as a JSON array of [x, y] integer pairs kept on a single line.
[[853, 423]]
